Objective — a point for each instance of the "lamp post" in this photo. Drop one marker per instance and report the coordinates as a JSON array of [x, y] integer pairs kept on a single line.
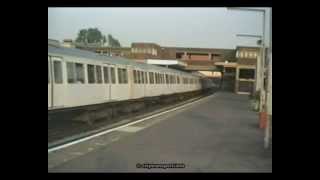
[[263, 94]]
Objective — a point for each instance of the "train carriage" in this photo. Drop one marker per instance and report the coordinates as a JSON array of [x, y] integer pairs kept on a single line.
[[79, 78]]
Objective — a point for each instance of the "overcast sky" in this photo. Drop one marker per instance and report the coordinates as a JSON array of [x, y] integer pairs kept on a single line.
[[182, 27]]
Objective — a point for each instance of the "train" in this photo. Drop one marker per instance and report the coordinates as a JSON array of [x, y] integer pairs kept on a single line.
[[78, 78]]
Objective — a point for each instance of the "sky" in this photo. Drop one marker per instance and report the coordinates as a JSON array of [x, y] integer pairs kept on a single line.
[[180, 27]]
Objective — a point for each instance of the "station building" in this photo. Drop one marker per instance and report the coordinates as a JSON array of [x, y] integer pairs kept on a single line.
[[237, 67]]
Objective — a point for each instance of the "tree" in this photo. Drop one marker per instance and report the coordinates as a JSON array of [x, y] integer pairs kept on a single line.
[[93, 35], [90, 35], [82, 36], [113, 42]]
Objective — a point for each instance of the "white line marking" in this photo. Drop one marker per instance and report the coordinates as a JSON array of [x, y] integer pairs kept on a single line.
[[131, 129], [117, 128]]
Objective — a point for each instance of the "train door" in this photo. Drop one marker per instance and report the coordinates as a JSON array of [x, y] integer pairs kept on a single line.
[[57, 90], [145, 83], [130, 81], [112, 84], [107, 82]]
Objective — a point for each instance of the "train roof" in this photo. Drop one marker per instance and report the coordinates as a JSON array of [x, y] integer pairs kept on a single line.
[[55, 50]]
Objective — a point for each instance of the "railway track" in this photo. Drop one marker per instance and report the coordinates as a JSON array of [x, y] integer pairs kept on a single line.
[[63, 132]]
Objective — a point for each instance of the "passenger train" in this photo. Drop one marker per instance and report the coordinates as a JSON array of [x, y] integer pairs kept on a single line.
[[79, 78]]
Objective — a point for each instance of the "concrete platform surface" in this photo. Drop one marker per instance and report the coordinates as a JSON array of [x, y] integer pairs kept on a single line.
[[217, 134]]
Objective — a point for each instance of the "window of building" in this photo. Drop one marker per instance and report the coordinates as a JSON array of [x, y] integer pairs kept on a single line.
[[251, 54], [91, 74], [57, 68], [246, 54], [178, 79], [246, 73], [113, 75], [241, 54], [106, 74], [99, 74]]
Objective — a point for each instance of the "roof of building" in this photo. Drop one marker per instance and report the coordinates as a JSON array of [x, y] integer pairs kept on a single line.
[[248, 47], [144, 44], [56, 51]]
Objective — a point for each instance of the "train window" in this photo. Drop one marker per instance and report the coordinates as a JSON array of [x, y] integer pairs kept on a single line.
[[106, 74], [138, 77], [135, 76], [113, 75], [120, 76], [57, 67], [71, 73], [75, 72], [99, 74], [151, 78], [146, 77], [142, 77], [91, 74], [167, 79], [156, 78], [125, 76], [79, 73]]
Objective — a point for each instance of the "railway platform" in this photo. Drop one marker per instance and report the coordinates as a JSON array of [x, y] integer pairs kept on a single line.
[[219, 133]]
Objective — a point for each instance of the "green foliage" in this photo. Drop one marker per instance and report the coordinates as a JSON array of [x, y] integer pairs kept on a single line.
[[93, 35], [113, 42], [90, 35]]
